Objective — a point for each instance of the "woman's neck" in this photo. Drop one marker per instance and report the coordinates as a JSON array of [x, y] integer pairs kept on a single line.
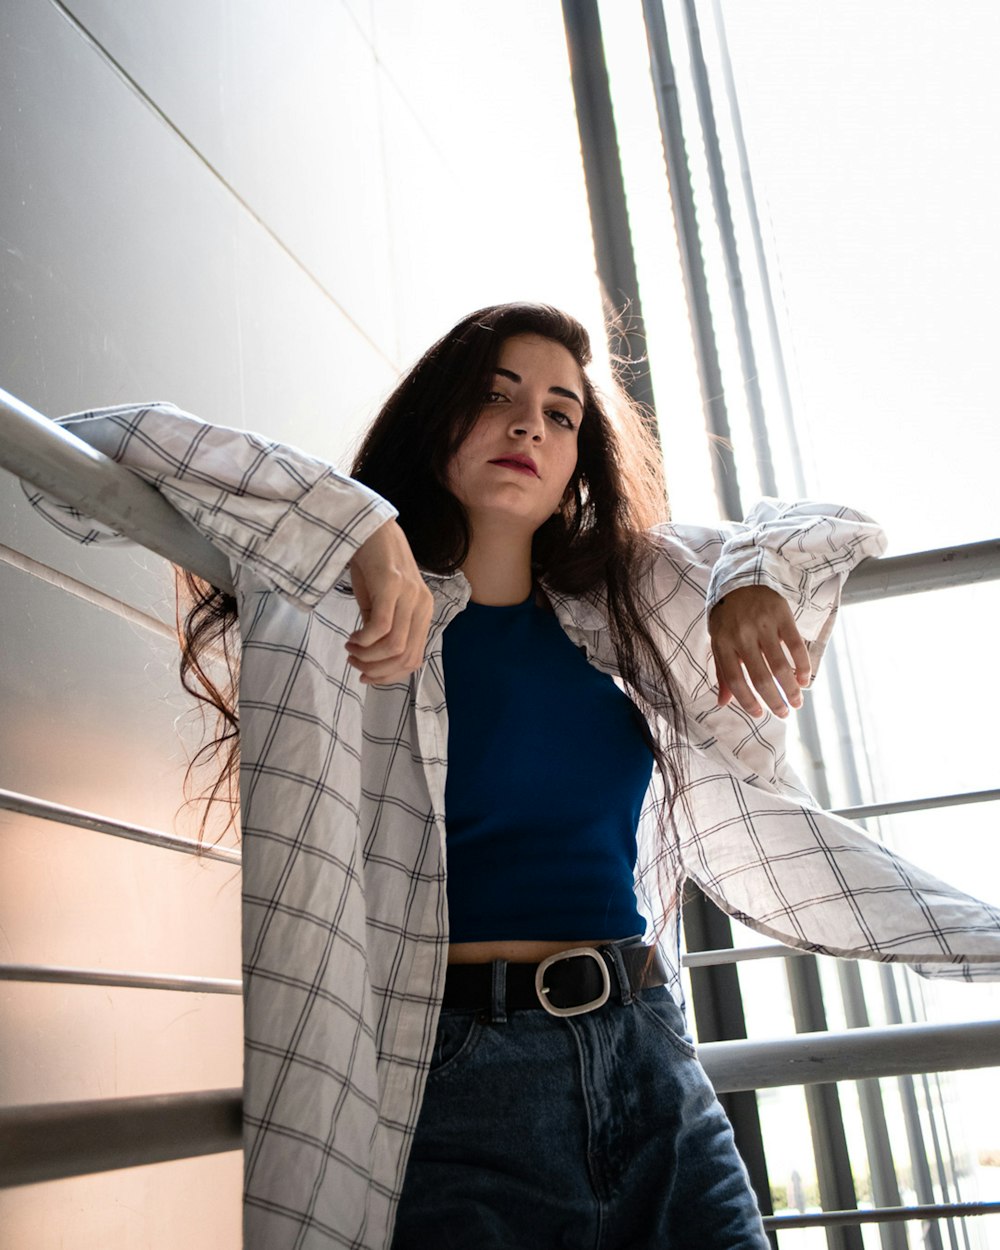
[[498, 568]]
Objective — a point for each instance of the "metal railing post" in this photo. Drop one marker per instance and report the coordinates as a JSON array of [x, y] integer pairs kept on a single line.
[[609, 221]]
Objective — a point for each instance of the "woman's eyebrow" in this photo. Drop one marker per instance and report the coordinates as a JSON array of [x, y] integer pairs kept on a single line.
[[553, 390]]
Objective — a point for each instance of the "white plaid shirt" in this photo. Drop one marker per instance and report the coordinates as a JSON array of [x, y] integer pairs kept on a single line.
[[345, 921]]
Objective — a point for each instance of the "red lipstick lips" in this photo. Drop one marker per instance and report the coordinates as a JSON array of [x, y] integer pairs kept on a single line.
[[524, 464]]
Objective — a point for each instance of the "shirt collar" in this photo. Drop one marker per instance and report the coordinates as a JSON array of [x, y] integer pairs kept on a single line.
[[451, 587], [583, 611], [587, 611]]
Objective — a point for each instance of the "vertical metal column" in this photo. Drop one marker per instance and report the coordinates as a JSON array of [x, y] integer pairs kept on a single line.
[[885, 1187], [952, 1164], [602, 170], [718, 1011], [730, 256], [718, 1002], [833, 1163], [774, 338], [692, 262], [826, 1121], [938, 1157], [923, 1182]]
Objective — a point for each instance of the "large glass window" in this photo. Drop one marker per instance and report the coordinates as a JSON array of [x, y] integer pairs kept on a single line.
[[858, 143]]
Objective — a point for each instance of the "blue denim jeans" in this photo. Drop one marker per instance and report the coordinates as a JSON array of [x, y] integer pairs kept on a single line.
[[597, 1131]]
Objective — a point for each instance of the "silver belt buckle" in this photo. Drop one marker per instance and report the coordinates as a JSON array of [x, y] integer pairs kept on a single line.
[[542, 990]]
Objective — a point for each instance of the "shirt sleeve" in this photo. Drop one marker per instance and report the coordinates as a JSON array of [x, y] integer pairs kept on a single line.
[[294, 519], [750, 834], [805, 552]]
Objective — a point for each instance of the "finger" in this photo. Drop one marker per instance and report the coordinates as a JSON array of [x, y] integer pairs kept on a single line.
[[763, 682], [799, 653], [782, 672], [732, 676], [378, 667], [384, 661], [380, 621], [393, 652], [397, 641], [385, 648], [795, 651], [384, 674], [402, 640], [389, 666], [725, 694]]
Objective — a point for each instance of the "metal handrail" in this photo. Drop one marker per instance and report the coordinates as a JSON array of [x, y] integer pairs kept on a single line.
[[50, 1140], [57, 462], [900, 806], [740, 954], [28, 805], [938, 569], [127, 980], [850, 1055], [880, 1215], [60, 464]]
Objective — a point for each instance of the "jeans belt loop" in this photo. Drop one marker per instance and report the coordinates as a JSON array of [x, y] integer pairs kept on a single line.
[[612, 952], [498, 1005]]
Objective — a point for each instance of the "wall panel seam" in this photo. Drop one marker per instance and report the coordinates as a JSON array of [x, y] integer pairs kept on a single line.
[[151, 104], [97, 598]]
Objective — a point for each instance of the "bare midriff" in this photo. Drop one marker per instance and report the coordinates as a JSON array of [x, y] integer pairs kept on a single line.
[[516, 952]]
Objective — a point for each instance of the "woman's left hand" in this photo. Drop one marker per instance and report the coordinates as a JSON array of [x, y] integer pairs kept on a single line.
[[747, 628]]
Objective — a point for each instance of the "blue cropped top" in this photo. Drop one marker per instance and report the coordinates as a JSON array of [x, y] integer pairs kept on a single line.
[[548, 766]]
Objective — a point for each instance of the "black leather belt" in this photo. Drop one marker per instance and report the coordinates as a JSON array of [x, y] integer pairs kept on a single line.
[[564, 984]]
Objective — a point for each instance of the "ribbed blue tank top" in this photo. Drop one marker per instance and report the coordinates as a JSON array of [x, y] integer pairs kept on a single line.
[[547, 771]]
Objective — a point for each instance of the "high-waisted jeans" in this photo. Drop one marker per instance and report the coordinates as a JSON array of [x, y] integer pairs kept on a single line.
[[597, 1131]]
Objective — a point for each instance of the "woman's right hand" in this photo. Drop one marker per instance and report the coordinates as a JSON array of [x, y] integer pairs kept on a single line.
[[395, 604]]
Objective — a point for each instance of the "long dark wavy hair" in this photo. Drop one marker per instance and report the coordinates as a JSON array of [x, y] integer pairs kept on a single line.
[[596, 545]]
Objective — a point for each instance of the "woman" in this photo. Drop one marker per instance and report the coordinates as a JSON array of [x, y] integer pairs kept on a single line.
[[547, 764], [455, 1034]]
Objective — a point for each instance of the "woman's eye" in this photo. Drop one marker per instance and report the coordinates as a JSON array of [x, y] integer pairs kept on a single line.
[[494, 395], [562, 417]]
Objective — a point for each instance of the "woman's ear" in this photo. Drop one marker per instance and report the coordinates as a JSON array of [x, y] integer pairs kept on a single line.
[[567, 496]]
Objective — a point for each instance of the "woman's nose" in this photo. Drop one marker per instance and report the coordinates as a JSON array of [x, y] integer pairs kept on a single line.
[[530, 422]]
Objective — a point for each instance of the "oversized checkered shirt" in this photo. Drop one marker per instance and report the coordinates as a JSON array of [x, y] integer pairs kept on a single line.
[[345, 918]]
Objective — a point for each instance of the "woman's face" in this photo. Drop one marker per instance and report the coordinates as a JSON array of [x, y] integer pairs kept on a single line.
[[519, 457]]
